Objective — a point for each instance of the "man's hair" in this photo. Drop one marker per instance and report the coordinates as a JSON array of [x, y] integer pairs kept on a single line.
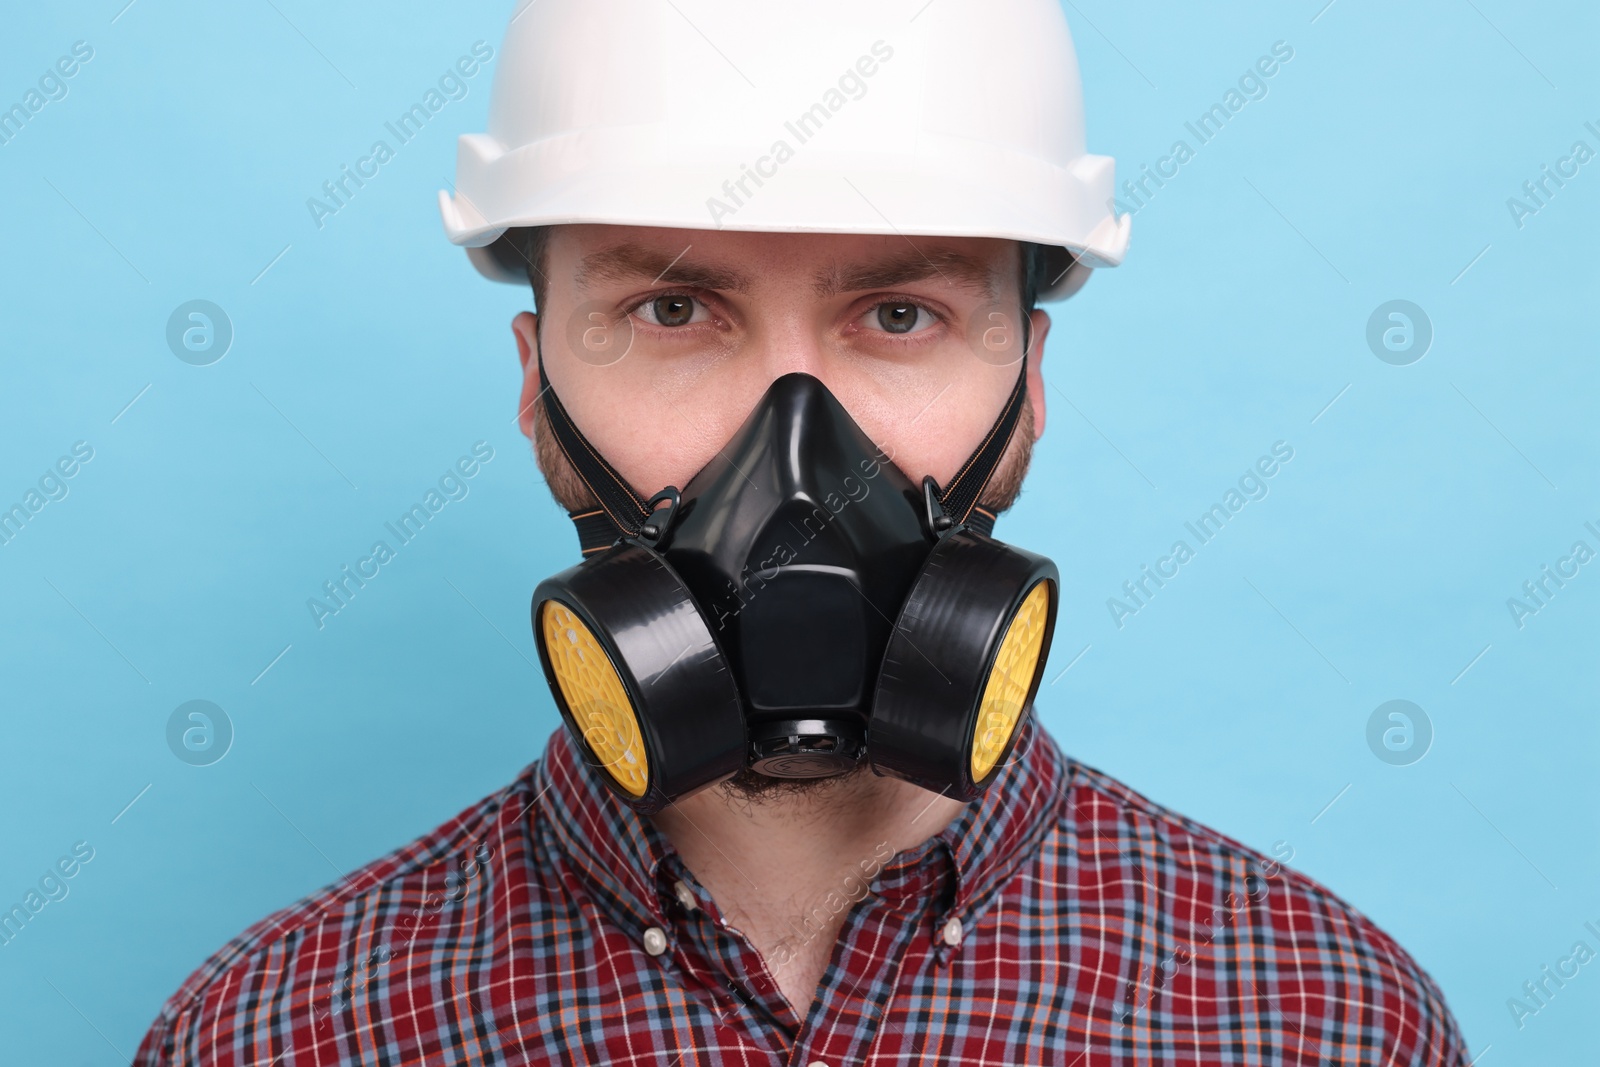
[[526, 248], [530, 245]]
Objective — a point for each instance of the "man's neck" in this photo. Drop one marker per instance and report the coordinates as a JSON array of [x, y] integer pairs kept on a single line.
[[785, 870]]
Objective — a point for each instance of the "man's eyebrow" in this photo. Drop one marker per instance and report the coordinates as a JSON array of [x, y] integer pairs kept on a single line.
[[955, 268], [627, 262]]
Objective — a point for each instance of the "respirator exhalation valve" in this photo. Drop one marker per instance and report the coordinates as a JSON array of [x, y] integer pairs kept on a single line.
[[806, 748]]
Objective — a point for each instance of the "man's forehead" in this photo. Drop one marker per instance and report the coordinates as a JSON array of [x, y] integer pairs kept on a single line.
[[976, 268]]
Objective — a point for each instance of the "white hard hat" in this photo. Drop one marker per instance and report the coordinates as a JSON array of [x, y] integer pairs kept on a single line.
[[926, 117]]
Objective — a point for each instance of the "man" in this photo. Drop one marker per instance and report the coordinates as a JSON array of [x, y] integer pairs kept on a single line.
[[798, 812]]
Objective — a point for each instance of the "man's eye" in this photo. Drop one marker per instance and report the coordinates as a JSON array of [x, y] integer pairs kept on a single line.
[[672, 310], [900, 317]]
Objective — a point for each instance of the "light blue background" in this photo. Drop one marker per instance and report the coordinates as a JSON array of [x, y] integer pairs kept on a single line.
[[369, 357]]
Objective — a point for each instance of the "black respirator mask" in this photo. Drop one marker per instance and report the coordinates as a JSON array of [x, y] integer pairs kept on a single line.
[[800, 606]]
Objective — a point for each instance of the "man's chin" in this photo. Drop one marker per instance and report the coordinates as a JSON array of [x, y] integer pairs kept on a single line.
[[753, 786]]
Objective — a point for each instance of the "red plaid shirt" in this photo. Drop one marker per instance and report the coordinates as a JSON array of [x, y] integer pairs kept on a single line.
[[1061, 919]]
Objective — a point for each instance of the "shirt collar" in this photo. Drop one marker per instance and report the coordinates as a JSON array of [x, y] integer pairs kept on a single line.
[[986, 842], [621, 853], [616, 850]]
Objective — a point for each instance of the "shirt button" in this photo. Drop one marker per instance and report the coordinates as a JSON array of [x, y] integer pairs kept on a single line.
[[685, 895], [952, 932], [816, 1063], [655, 941]]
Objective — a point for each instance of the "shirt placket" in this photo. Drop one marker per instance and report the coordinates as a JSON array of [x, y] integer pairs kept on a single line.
[[892, 932], [723, 968], [888, 939]]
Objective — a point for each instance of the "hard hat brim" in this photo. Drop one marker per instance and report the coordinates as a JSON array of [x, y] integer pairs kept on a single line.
[[1044, 204]]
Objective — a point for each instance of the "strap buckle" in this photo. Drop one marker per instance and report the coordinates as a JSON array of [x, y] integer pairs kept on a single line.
[[939, 524], [652, 530]]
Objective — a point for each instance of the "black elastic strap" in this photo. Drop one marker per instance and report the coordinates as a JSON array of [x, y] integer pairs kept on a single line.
[[596, 531], [982, 520], [621, 508], [960, 497]]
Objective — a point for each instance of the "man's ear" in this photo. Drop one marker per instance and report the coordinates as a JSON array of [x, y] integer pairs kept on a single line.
[[523, 327], [1041, 329]]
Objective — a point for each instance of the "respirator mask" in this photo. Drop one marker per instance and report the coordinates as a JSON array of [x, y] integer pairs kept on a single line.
[[800, 606]]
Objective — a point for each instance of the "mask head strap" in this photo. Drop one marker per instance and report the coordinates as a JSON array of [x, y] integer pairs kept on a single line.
[[960, 498], [622, 511]]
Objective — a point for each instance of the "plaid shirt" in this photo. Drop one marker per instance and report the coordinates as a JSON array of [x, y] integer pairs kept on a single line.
[[1061, 919]]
